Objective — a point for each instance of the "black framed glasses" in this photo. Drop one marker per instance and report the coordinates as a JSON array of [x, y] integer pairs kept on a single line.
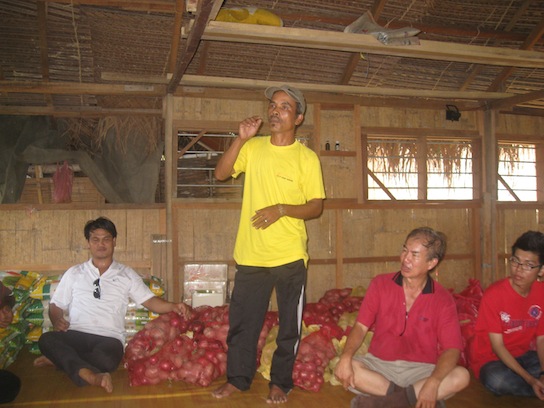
[[96, 291], [514, 262]]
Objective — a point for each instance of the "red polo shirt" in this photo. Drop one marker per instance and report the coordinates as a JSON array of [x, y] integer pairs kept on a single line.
[[431, 326]]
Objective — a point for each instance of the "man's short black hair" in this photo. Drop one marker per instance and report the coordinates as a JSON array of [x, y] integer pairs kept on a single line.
[[100, 223], [531, 241]]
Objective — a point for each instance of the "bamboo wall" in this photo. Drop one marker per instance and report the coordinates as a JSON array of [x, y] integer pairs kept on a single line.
[[349, 244], [49, 238]]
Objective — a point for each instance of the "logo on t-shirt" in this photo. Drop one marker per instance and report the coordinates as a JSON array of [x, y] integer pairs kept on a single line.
[[505, 317], [535, 312]]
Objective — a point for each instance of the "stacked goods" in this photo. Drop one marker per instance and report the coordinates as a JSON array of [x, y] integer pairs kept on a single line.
[[319, 349], [315, 353], [37, 316], [138, 316], [171, 348], [12, 340], [13, 337], [38, 311], [174, 349], [468, 303]]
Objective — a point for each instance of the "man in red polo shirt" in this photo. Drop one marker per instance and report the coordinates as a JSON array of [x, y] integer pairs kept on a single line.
[[412, 358]]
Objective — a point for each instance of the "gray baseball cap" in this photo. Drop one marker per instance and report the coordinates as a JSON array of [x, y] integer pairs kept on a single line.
[[292, 92]]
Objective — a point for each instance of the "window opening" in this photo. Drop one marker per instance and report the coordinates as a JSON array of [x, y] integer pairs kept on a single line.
[[517, 172], [394, 165], [198, 154]]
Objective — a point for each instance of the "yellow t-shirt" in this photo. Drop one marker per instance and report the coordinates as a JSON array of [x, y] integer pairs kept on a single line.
[[275, 175]]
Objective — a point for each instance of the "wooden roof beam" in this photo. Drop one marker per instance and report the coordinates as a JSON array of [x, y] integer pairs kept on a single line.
[[81, 88], [159, 6], [238, 83], [77, 112], [207, 10], [317, 39]]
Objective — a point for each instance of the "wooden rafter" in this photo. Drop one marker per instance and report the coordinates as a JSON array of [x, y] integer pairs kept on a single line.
[[475, 71], [515, 100], [44, 60], [42, 12], [528, 44], [354, 59], [207, 10], [176, 35]]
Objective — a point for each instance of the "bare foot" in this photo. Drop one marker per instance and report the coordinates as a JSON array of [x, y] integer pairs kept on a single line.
[[42, 361], [276, 395], [97, 379], [225, 390]]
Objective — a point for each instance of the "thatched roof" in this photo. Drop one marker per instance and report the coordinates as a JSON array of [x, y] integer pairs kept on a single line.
[[108, 57]]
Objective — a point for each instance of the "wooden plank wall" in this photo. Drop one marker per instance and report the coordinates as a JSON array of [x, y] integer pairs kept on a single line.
[[349, 244], [49, 238], [370, 242]]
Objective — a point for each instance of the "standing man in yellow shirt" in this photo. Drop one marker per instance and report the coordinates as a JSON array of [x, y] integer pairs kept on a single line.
[[283, 187]]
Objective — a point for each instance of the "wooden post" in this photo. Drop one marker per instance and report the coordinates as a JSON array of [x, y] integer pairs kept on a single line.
[[170, 190], [317, 128], [489, 208], [360, 164], [339, 249], [38, 173]]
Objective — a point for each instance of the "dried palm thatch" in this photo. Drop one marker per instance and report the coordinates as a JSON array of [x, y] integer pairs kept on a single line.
[[89, 134], [399, 158]]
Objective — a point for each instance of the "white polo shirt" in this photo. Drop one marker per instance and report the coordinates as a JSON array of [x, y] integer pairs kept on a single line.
[[104, 316]]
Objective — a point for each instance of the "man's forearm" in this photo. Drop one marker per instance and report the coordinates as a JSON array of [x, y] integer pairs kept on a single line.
[[446, 362], [307, 211], [354, 340], [225, 165]]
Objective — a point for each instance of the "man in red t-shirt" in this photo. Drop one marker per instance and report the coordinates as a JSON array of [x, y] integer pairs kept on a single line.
[[416, 345], [507, 352]]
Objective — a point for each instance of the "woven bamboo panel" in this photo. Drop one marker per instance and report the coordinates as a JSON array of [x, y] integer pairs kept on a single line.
[[40, 191], [51, 240]]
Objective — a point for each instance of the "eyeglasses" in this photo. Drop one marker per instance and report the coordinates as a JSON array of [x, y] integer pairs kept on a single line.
[[96, 291], [526, 267]]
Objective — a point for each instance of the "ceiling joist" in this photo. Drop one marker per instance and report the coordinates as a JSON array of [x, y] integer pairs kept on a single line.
[[329, 40], [221, 82]]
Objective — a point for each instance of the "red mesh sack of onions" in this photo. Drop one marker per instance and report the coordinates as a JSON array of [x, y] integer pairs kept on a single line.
[[314, 354], [339, 301], [163, 351], [154, 352]]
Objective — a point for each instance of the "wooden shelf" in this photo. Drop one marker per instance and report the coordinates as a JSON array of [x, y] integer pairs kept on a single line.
[[336, 153]]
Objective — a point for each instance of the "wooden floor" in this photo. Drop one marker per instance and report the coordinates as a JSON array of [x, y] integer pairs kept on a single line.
[[48, 387]]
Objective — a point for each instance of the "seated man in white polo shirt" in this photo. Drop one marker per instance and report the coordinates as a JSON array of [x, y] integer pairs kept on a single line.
[[89, 344]]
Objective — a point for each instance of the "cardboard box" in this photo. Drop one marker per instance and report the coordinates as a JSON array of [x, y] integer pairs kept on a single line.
[[207, 297], [191, 287]]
